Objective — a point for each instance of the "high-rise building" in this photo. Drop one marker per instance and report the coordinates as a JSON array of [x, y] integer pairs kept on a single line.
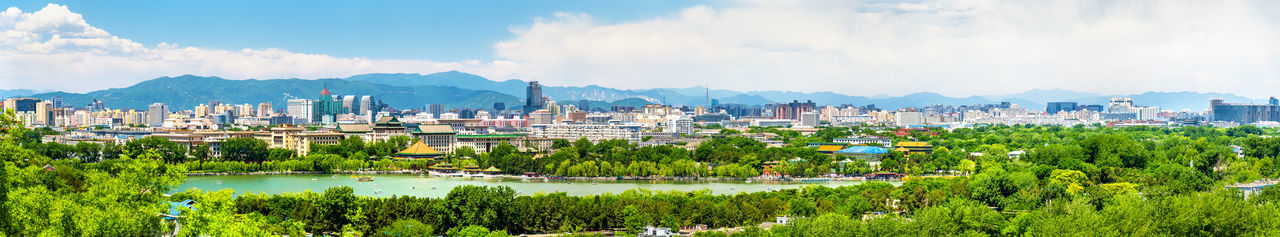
[[95, 106], [1055, 107], [44, 113], [213, 107], [1244, 113], [499, 107], [682, 125], [909, 118], [265, 110], [300, 110], [533, 97], [809, 119], [435, 110], [156, 113], [57, 101], [326, 108], [21, 104], [367, 106], [1090, 108], [1122, 107]]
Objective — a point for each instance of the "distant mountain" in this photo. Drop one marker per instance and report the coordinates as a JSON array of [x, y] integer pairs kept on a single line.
[[510, 87], [187, 91], [1175, 101], [17, 93], [595, 104], [1042, 97], [457, 89]]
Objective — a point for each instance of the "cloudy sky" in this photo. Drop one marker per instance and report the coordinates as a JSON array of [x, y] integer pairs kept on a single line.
[[956, 47]]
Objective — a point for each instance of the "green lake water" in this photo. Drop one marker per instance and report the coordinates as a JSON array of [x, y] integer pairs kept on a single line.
[[412, 185]]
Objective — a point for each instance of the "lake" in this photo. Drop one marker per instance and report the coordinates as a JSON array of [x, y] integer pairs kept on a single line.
[[412, 185]]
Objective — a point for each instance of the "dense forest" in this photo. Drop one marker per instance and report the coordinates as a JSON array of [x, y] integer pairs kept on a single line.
[[1071, 181]]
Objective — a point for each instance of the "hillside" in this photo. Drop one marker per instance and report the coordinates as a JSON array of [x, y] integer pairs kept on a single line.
[[187, 91]]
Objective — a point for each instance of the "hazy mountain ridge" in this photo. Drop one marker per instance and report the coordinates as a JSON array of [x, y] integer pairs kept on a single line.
[[187, 91], [457, 89]]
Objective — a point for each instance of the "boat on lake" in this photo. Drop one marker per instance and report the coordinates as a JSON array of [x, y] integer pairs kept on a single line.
[[365, 179]]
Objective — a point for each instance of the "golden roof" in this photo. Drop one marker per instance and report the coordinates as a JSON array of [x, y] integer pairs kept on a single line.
[[830, 147], [419, 148], [913, 144]]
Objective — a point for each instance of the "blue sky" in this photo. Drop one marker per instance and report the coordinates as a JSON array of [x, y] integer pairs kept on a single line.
[[853, 47], [431, 30]]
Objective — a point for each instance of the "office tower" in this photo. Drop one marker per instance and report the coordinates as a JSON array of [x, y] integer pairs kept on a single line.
[[1090, 108], [809, 119], [300, 110], [57, 101], [44, 112], [213, 106], [265, 110], [1244, 113], [498, 107], [156, 113], [435, 110], [326, 108], [1055, 107], [21, 104], [533, 97], [367, 106]]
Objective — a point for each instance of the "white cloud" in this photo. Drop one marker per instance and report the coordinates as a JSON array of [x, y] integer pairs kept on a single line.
[[54, 48], [954, 47], [863, 48]]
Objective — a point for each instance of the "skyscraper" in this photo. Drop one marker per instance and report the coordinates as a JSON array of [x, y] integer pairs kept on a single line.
[[44, 112], [300, 110], [156, 113], [265, 110], [533, 98], [1055, 107], [326, 108], [1244, 113], [213, 107], [436, 110], [499, 107], [21, 104]]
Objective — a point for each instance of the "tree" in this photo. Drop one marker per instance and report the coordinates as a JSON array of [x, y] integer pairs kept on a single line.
[[336, 208], [170, 152], [244, 149], [633, 219], [279, 154], [201, 152], [560, 143], [1071, 180], [405, 227], [1244, 131], [478, 205], [475, 231]]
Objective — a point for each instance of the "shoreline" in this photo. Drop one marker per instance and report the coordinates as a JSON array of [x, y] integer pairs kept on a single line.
[[583, 178]]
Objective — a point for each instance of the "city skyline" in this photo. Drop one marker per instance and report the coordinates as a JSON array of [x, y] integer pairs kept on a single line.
[[881, 48]]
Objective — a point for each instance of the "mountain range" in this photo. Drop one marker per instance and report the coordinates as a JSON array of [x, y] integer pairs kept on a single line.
[[462, 90]]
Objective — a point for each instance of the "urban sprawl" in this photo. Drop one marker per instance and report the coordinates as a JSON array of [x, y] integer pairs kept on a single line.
[[330, 118]]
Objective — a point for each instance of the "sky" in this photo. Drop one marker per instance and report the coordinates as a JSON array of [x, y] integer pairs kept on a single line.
[[955, 47]]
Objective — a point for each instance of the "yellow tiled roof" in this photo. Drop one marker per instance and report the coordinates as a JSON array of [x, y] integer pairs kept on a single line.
[[913, 144], [830, 148], [419, 148]]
